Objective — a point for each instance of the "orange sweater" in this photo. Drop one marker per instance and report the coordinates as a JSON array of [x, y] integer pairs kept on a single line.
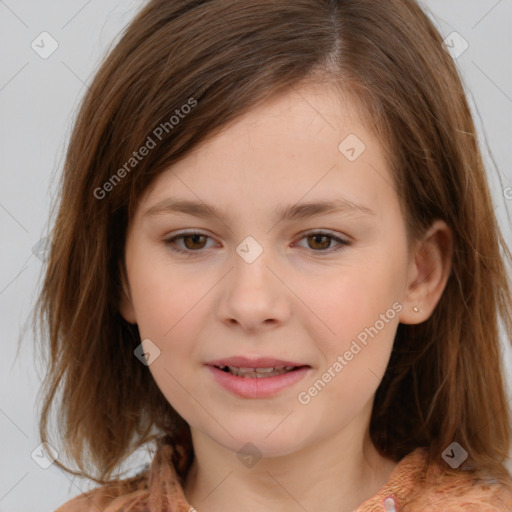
[[160, 489]]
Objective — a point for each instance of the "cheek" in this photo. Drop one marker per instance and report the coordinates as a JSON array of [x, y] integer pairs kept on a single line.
[[165, 296], [357, 352], [346, 303], [357, 312]]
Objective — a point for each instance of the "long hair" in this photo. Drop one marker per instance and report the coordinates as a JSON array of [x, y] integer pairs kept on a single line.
[[221, 58]]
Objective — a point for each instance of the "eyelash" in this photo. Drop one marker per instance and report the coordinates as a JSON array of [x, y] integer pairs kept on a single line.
[[170, 242]]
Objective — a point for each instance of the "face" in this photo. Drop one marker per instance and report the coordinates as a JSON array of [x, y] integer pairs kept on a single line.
[[322, 289]]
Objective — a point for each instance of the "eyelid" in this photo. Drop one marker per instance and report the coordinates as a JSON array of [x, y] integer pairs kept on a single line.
[[169, 241], [320, 231], [342, 242]]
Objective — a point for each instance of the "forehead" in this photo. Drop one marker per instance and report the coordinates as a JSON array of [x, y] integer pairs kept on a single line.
[[308, 142]]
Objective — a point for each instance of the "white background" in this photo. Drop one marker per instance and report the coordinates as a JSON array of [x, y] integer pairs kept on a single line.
[[38, 101]]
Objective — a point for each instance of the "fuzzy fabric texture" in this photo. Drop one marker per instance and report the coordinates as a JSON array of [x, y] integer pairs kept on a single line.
[[160, 489]]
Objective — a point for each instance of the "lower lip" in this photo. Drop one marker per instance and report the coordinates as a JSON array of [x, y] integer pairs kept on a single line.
[[254, 387]]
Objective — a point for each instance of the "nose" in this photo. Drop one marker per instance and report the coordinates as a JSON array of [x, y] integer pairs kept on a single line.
[[254, 295]]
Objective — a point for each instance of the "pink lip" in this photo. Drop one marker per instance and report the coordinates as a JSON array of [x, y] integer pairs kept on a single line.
[[258, 362], [254, 387]]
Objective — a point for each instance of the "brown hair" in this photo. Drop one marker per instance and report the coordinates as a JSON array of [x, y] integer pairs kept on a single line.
[[444, 381]]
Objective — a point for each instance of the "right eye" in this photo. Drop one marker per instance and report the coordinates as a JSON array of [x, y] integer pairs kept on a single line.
[[191, 239]]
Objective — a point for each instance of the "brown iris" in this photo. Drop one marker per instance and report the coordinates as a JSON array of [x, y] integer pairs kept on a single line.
[[316, 237], [195, 238]]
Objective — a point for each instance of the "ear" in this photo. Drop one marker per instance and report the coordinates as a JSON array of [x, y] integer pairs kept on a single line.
[[429, 269], [125, 302]]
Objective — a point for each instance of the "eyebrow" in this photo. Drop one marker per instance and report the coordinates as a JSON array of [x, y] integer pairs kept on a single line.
[[289, 213]]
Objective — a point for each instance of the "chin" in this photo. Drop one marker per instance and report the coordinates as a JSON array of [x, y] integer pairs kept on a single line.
[[259, 444]]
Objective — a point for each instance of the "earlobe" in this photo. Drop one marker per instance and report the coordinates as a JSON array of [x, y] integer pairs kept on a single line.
[[428, 274]]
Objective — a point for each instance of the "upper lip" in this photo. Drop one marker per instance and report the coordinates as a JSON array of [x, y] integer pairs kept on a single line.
[[258, 362]]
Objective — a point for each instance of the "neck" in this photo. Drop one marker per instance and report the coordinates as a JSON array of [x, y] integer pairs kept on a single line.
[[334, 475]]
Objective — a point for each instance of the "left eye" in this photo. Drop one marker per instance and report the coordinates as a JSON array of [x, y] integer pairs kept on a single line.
[[317, 236], [194, 241]]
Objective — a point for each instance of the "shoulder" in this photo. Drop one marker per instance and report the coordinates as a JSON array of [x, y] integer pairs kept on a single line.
[[107, 498], [80, 503], [468, 495], [464, 492], [110, 497], [418, 485]]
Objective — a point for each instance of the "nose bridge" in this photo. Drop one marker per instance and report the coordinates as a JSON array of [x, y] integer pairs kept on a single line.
[[250, 261], [253, 294], [250, 250]]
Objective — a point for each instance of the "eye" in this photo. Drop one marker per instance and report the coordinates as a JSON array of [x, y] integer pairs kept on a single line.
[[194, 241], [321, 240]]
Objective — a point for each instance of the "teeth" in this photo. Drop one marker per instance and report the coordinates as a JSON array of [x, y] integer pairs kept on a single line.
[[256, 372]]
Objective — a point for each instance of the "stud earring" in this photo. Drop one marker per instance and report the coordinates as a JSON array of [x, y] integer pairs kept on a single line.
[[416, 310]]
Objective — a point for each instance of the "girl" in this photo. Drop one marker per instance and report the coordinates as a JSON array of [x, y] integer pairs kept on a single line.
[[276, 261]]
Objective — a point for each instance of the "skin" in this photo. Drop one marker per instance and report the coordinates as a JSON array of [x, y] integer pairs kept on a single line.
[[303, 299]]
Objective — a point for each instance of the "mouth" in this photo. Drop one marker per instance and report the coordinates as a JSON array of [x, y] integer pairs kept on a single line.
[[258, 373], [258, 381]]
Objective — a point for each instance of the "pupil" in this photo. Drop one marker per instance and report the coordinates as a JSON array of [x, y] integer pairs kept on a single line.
[[316, 237], [194, 237]]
